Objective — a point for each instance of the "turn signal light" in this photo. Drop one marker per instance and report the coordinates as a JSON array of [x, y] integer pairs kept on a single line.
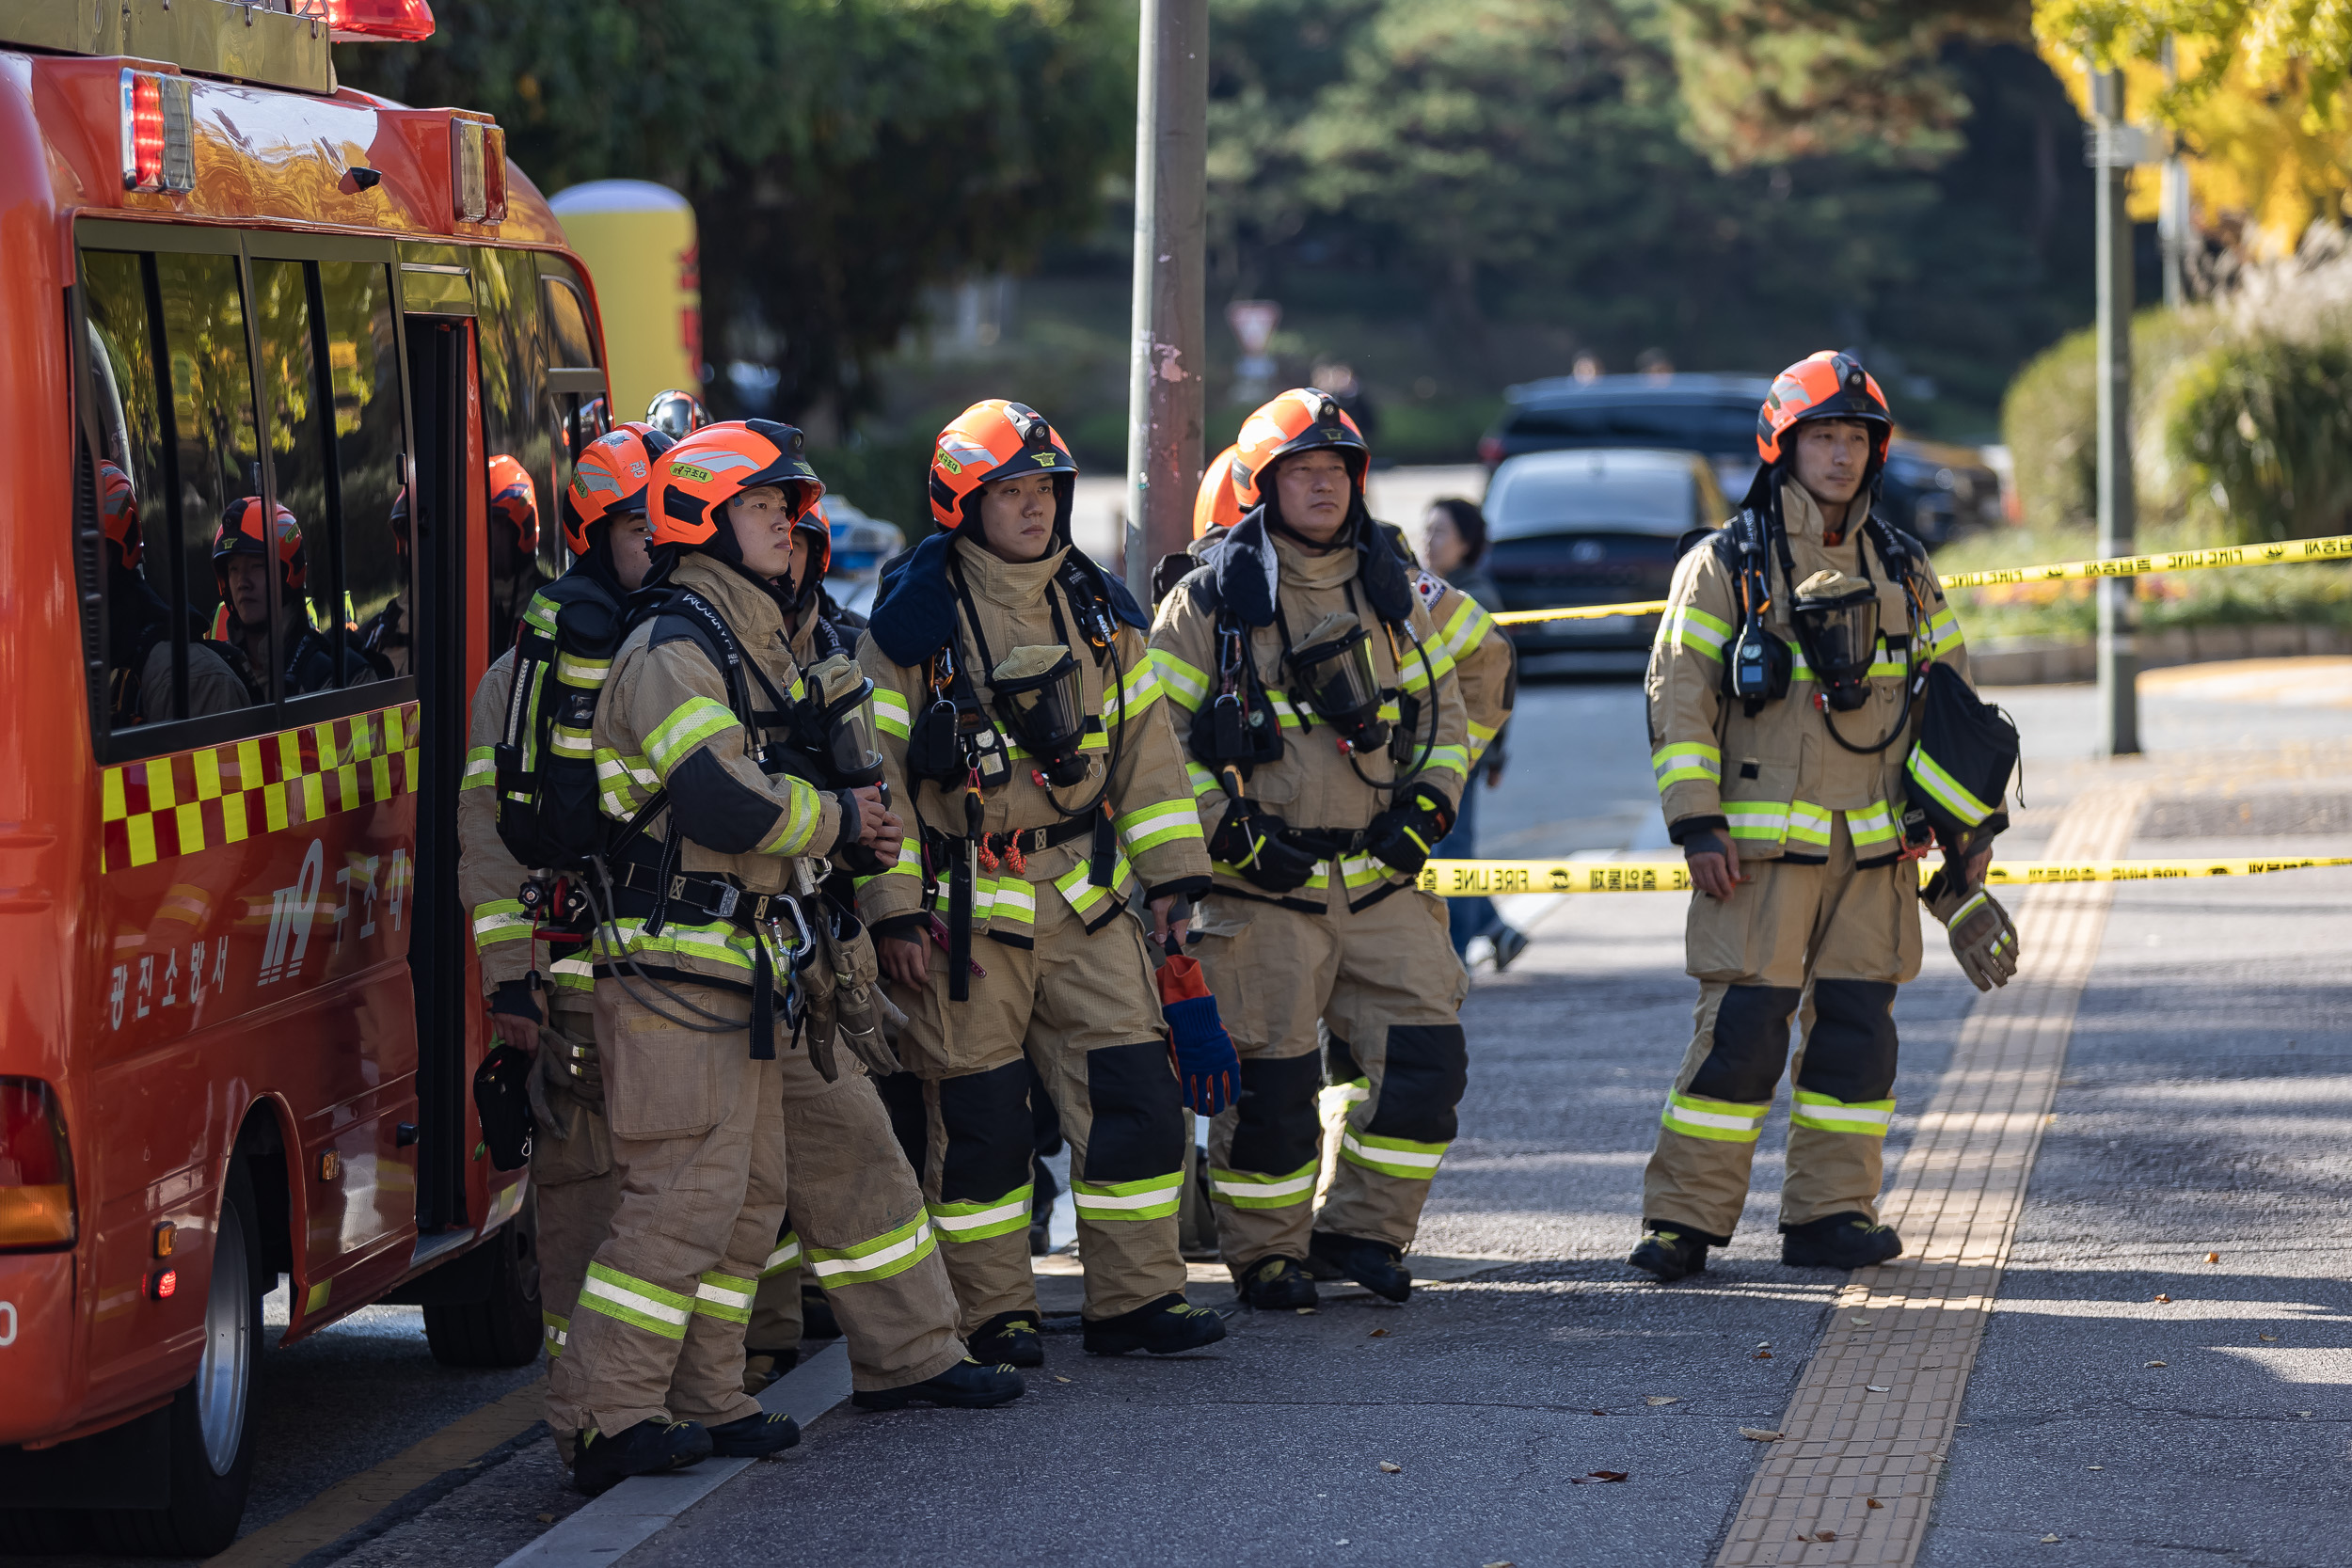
[[477, 172], [380, 20], [36, 1168], [158, 133]]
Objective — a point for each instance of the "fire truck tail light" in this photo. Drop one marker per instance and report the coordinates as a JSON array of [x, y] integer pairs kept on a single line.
[[380, 20], [36, 1167], [158, 133], [477, 158]]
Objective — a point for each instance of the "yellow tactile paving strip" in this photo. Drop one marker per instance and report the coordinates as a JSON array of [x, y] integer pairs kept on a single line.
[[1872, 1416]]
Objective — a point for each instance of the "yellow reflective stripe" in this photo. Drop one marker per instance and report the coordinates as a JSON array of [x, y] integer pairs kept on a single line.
[[1077, 884], [1152, 1197], [1946, 790], [588, 673], [1757, 819], [890, 713], [1008, 900], [718, 941], [691, 722], [622, 782], [481, 768], [1438, 665], [1808, 823], [787, 1256], [892, 1252], [1245, 1189], [1719, 1120], [1872, 824], [1823, 1113], [725, 1296], [1187, 687], [568, 742], [1153, 826], [1400, 1157], [1942, 633], [800, 818], [1141, 685], [636, 1302], [977, 1222], [1686, 762], [1202, 781], [1444, 757], [499, 919], [1694, 629]]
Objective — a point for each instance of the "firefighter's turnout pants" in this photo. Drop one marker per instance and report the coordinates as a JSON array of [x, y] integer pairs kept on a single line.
[[1826, 943], [573, 1181], [1083, 1007], [698, 1143], [858, 1227], [1384, 986]]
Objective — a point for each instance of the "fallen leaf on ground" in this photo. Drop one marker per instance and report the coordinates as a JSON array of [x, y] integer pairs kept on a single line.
[[1872, 1502], [1390, 1467], [1600, 1412], [544, 1518], [2047, 1539], [2304, 1413], [1596, 1477], [1759, 1434], [2163, 1299], [1378, 1334], [2152, 1363], [1306, 1312], [1662, 1399], [2270, 1339], [2213, 1258], [1762, 1355], [1861, 1322], [1058, 1378], [1824, 1535], [1877, 1388]]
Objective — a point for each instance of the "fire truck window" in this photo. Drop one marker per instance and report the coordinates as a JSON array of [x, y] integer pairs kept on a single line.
[[568, 337], [363, 367], [227, 540], [525, 542], [314, 655], [136, 556]]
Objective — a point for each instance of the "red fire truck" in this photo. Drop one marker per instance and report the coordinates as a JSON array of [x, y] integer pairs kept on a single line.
[[288, 379]]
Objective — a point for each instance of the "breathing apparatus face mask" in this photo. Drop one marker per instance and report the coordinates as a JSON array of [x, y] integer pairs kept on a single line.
[[1836, 619], [1333, 671], [1038, 699], [836, 723]]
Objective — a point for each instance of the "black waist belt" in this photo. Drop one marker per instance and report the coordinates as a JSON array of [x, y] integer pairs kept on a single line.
[[646, 886], [1028, 841], [962, 853]]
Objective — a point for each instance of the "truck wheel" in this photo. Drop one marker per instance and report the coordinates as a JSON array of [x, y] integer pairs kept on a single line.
[[211, 1419], [502, 1327]]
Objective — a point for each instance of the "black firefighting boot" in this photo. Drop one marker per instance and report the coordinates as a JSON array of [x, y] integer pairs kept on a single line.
[[816, 1318], [763, 1367], [754, 1436], [1670, 1254], [1167, 1326], [1007, 1339], [1375, 1266], [1275, 1284], [1847, 1240], [965, 1385], [647, 1448]]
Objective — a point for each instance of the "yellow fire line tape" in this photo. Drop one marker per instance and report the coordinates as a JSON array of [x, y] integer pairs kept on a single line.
[[2334, 547], [1484, 879]]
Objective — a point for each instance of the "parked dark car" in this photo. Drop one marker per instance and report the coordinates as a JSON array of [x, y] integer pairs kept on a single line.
[[1931, 489], [1590, 528]]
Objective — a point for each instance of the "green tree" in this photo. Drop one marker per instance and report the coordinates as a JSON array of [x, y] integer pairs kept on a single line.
[[841, 155]]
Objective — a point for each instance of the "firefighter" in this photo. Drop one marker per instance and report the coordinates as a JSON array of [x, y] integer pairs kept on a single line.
[[1782, 711], [241, 554], [1305, 618], [704, 933], [570, 632], [514, 555], [1025, 735], [139, 628]]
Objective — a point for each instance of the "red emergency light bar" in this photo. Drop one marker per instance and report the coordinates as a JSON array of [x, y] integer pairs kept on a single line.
[[158, 133], [381, 20]]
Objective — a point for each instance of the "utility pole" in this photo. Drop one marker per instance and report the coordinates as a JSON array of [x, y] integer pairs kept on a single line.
[[2115, 146], [1166, 355]]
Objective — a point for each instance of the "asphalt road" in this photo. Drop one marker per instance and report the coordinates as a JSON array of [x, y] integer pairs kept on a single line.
[[2204, 1110]]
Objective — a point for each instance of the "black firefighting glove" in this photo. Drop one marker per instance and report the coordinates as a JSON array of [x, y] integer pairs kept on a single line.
[[1254, 841], [518, 998], [1405, 835], [1984, 938]]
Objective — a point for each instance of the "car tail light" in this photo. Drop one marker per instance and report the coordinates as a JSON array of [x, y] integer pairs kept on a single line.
[[477, 171], [380, 20], [36, 1167], [158, 133], [1490, 449]]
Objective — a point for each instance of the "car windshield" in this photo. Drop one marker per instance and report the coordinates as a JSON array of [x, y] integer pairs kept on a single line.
[[1528, 497], [1709, 425]]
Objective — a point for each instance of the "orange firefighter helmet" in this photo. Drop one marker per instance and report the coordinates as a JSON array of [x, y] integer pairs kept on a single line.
[[1216, 505], [993, 440], [513, 497], [693, 481], [243, 532], [1824, 386], [1305, 418], [119, 511], [611, 478]]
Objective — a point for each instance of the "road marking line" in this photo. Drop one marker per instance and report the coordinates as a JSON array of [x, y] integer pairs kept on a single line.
[[356, 1500], [615, 1525], [1912, 1327]]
